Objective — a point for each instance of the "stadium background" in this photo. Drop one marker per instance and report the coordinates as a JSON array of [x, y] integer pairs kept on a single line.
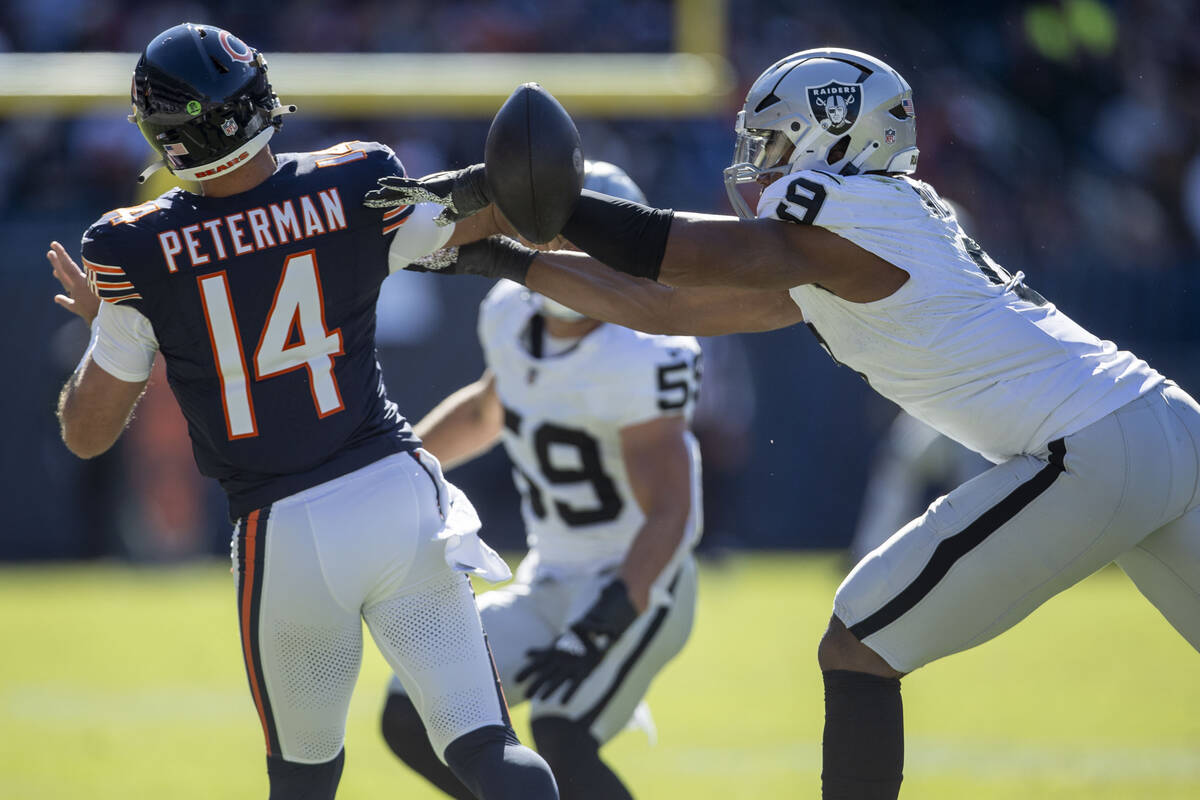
[[1066, 129]]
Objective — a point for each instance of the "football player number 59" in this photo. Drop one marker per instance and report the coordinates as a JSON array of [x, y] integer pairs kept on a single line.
[[299, 307]]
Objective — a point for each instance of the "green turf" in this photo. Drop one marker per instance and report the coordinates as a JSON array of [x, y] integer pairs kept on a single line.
[[127, 683]]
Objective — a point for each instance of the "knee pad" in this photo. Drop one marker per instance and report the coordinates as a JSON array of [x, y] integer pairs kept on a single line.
[[494, 765], [293, 781], [564, 743]]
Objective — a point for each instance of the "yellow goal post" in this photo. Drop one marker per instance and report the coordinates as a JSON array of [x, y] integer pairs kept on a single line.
[[695, 79]]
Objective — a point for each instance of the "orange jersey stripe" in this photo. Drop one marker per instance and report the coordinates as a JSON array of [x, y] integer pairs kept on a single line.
[[393, 226], [397, 210], [103, 269]]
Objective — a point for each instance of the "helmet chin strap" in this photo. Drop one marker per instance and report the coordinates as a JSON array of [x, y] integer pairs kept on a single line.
[[150, 170], [856, 163]]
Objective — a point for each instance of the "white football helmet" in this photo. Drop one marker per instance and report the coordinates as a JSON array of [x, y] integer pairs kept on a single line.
[[830, 109], [606, 178]]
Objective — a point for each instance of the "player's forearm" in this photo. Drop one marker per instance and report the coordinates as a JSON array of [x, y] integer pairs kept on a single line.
[[89, 422], [710, 250], [652, 550], [689, 249], [460, 427], [579, 281], [488, 222]]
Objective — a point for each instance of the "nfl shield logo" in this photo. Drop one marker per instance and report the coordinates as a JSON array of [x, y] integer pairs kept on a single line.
[[835, 105], [889, 136], [229, 126]]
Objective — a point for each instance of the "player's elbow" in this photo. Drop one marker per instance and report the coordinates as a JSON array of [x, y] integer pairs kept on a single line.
[[84, 446], [83, 440]]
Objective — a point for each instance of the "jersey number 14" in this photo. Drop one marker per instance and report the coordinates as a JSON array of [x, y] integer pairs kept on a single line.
[[295, 336]]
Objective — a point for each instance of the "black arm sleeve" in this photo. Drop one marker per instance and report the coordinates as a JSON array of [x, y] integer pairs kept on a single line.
[[627, 236]]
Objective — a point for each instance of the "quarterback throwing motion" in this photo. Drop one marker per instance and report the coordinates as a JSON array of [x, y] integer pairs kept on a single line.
[[1096, 454], [260, 293], [595, 419]]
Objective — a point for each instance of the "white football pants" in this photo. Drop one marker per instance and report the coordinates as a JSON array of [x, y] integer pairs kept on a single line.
[[370, 545], [1125, 488]]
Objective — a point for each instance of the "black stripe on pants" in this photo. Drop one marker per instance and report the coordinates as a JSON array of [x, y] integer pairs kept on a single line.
[[951, 549]]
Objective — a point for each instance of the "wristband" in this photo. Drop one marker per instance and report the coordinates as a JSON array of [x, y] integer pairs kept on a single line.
[[496, 257]]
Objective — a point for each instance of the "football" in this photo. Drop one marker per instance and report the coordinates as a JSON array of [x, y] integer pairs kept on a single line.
[[534, 163]]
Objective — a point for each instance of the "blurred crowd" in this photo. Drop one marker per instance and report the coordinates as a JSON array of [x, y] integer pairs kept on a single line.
[[1068, 127], [1066, 130]]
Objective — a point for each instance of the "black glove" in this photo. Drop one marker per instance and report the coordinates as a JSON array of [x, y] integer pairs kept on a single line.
[[574, 654], [496, 257], [462, 192]]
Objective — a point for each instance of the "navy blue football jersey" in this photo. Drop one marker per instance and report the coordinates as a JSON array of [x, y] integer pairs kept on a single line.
[[263, 304]]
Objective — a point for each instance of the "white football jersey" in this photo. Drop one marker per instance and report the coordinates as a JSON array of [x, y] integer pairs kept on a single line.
[[562, 420], [963, 345]]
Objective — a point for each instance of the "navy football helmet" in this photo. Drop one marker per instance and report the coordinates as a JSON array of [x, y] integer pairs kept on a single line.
[[201, 98]]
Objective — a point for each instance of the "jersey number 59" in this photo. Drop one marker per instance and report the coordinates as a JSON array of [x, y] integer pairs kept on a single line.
[[295, 336]]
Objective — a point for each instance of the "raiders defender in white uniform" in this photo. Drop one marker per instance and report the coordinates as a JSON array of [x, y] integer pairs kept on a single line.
[[1096, 453], [595, 419]]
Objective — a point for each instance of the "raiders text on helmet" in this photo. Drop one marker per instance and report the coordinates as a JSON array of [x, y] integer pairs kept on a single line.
[[830, 109], [201, 98]]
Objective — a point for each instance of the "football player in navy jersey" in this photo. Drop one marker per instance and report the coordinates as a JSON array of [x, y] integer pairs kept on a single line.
[[260, 293]]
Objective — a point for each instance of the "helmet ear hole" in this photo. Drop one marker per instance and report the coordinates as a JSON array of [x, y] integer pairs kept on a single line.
[[838, 151]]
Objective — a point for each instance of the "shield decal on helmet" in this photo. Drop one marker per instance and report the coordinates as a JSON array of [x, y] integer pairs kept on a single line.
[[835, 105]]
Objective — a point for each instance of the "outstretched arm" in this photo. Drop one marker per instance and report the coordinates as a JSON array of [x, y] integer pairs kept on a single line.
[[687, 249], [589, 287], [679, 249]]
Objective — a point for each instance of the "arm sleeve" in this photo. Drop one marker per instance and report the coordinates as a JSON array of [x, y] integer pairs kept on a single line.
[[412, 228], [416, 234], [123, 343]]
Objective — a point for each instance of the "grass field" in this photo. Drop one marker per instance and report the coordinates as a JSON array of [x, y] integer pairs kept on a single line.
[[119, 682]]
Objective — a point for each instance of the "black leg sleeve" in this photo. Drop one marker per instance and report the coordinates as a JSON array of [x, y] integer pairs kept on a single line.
[[292, 781], [574, 756], [495, 766], [405, 734], [863, 748]]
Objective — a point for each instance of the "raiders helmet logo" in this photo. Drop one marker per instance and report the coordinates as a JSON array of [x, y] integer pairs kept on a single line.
[[835, 105]]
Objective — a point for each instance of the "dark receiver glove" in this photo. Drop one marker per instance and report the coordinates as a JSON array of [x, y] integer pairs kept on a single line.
[[495, 257], [461, 192], [574, 654]]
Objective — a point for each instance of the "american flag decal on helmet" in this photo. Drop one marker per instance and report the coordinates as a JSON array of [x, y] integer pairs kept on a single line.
[[907, 105], [175, 149]]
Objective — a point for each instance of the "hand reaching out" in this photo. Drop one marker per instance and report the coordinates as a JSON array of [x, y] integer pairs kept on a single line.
[[461, 192], [79, 298]]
